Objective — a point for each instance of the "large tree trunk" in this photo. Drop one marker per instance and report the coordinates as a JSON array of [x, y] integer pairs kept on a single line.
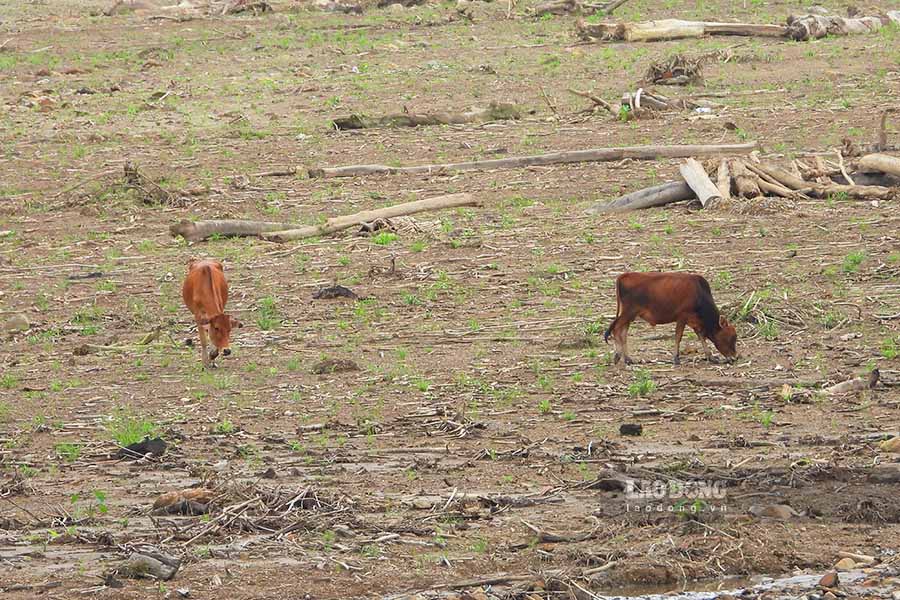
[[595, 155], [646, 198], [695, 176], [367, 216]]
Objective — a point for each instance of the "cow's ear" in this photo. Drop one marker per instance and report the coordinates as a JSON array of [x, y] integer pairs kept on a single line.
[[723, 322], [204, 321]]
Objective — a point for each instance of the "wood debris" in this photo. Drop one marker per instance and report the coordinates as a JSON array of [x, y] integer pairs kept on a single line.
[[497, 111], [798, 27], [749, 180]]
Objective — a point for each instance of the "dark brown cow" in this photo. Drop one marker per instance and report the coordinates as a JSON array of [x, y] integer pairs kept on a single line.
[[205, 293], [680, 298]]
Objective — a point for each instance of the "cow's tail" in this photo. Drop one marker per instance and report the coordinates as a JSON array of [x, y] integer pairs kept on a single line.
[[609, 329]]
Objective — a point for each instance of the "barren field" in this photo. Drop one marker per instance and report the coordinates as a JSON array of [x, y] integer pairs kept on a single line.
[[468, 445]]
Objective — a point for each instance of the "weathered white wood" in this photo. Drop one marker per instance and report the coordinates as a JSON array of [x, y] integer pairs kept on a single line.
[[367, 216], [695, 176], [883, 163]]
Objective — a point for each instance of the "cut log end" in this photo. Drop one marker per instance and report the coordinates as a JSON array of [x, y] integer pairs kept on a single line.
[[186, 229]]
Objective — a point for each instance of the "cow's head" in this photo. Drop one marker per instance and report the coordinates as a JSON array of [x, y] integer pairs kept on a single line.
[[220, 327], [725, 338]]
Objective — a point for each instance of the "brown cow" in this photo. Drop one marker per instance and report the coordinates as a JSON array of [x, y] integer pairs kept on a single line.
[[680, 298], [205, 293]]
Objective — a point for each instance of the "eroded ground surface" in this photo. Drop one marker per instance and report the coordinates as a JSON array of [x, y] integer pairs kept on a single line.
[[484, 417]]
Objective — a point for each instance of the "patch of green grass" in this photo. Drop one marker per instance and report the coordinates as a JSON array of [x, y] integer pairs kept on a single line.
[[8, 381], [68, 451], [267, 317], [642, 385], [224, 427], [127, 429], [890, 348], [544, 406], [852, 261], [385, 238], [769, 330]]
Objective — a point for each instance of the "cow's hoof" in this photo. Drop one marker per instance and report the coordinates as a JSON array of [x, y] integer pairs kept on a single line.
[[628, 361], [616, 358], [676, 361]]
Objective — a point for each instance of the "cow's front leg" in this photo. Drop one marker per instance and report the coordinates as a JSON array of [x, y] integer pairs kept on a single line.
[[709, 356], [204, 356]]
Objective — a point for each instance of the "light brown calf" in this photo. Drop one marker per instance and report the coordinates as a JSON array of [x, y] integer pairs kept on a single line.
[[205, 293]]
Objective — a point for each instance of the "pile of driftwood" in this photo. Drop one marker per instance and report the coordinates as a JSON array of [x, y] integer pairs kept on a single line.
[[873, 177], [798, 27]]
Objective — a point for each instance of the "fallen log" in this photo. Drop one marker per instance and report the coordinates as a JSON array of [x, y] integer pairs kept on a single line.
[[494, 112], [200, 230], [814, 27], [575, 156], [335, 224], [646, 198], [747, 185], [671, 29], [882, 163], [855, 385], [695, 176]]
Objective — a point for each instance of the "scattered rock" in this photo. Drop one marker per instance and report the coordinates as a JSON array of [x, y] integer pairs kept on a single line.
[[16, 323], [829, 596], [782, 512], [150, 565], [891, 445], [829, 580], [631, 429], [153, 447], [335, 291], [885, 473], [334, 365], [845, 564], [268, 474]]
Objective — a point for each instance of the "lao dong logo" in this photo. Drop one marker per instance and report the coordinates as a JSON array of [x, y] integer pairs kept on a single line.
[[643, 489]]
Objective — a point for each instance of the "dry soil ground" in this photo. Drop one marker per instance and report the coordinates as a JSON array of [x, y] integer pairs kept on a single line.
[[475, 409]]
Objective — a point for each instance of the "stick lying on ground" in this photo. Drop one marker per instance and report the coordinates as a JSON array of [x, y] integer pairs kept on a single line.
[[280, 232], [594, 155], [200, 230], [494, 112], [398, 210], [801, 27]]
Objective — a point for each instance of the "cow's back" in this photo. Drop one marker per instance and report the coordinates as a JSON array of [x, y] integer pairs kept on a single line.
[[205, 287]]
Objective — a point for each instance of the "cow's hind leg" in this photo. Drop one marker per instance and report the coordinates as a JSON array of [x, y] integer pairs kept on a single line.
[[620, 335], [679, 331]]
